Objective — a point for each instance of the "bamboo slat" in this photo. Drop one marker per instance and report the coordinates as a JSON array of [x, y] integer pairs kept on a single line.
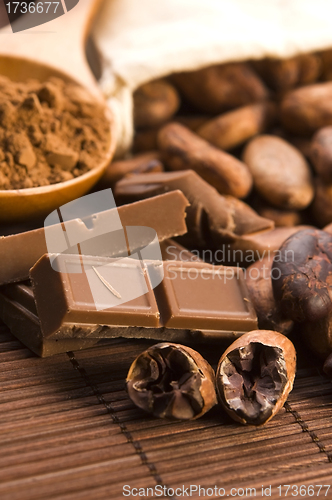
[[69, 431]]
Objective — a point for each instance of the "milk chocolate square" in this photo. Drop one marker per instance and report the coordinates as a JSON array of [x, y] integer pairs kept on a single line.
[[197, 295]]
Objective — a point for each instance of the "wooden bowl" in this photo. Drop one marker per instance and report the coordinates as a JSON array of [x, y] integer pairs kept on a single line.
[[21, 205]]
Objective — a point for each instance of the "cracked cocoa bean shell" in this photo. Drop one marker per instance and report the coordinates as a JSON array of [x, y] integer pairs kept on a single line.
[[172, 381], [302, 275], [255, 375]]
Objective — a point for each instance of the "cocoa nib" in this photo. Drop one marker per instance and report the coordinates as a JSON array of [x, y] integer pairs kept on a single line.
[[172, 381], [302, 275]]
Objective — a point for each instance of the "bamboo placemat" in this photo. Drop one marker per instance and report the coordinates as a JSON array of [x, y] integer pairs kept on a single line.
[[69, 432]]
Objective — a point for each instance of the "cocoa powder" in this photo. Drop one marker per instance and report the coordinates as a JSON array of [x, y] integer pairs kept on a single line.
[[49, 132]]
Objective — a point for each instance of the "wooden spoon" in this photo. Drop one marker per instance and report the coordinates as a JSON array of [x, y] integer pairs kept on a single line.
[[40, 53]]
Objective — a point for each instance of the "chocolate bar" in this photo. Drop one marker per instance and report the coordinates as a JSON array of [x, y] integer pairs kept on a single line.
[[172, 250], [18, 312], [165, 214], [117, 297], [212, 219]]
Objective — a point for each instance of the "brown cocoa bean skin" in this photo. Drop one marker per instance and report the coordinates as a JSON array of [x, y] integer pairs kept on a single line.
[[303, 144], [302, 270], [279, 74], [235, 127], [222, 87], [145, 140], [307, 109], [327, 368], [281, 173], [259, 283], [182, 150], [322, 205], [310, 68], [318, 336], [326, 58], [321, 153], [193, 122], [285, 74], [281, 218], [155, 103]]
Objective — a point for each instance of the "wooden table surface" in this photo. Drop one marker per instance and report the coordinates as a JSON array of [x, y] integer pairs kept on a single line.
[[69, 432]]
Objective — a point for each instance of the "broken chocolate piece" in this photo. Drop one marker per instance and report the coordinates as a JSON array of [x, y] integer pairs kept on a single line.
[[18, 312], [165, 214], [172, 381], [256, 246], [211, 218]]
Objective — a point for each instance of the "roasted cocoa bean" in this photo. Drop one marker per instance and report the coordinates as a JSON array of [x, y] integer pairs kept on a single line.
[[259, 282], [307, 109], [302, 271], [182, 149], [281, 174], [155, 103], [322, 205], [321, 153], [235, 127], [222, 87]]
